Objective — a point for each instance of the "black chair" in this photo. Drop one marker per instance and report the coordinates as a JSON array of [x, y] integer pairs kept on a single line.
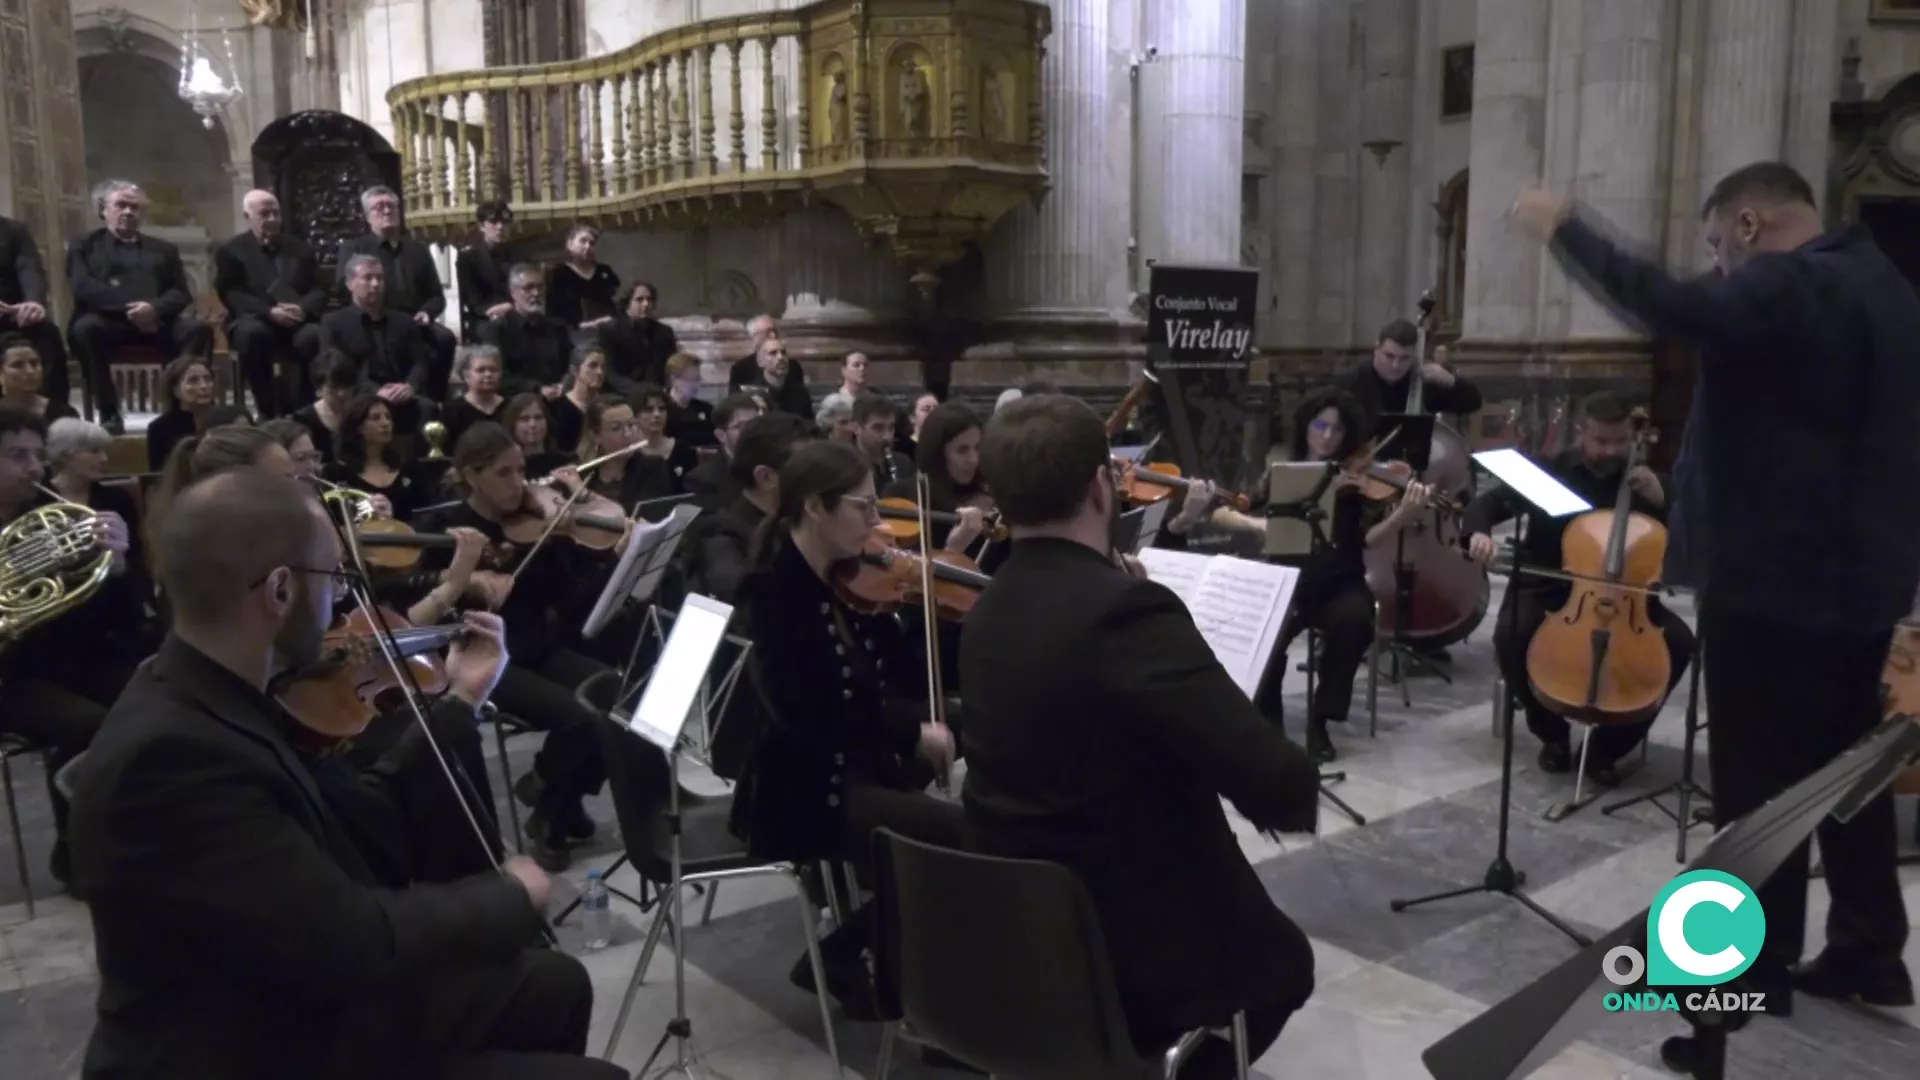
[[1001, 963], [641, 780]]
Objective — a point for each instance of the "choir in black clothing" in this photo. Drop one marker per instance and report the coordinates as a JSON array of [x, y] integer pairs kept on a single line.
[[689, 419], [23, 380], [368, 457], [269, 282], [128, 288], [337, 379], [412, 279], [581, 289], [23, 303], [479, 369], [652, 408], [187, 392], [639, 344], [392, 351], [481, 269], [586, 379], [535, 345], [772, 372], [529, 421], [1593, 468]]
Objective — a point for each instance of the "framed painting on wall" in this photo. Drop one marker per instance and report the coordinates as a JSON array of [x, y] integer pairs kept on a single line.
[[1456, 82]]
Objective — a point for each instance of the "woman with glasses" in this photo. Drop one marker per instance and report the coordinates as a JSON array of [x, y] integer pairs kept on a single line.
[[848, 746], [639, 477]]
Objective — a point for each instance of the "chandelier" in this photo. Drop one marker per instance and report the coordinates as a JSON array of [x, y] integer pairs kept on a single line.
[[200, 85]]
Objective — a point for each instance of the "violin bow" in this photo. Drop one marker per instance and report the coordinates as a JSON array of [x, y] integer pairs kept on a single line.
[[554, 523], [930, 615]]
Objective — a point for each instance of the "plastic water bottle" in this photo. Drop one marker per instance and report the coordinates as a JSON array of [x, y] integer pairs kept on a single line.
[[596, 911]]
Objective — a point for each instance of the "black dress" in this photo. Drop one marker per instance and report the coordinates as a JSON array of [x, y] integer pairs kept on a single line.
[[408, 492], [167, 429], [462, 414], [568, 423]]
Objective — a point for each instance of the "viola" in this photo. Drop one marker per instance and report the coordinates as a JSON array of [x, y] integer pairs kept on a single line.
[[1386, 481], [391, 544], [593, 521], [1600, 658], [1148, 484], [900, 518], [883, 578], [336, 697]]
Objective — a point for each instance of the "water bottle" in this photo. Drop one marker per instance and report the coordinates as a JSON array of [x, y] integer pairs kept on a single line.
[[596, 911]]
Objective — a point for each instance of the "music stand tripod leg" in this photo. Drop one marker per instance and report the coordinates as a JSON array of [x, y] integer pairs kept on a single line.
[[1325, 776]]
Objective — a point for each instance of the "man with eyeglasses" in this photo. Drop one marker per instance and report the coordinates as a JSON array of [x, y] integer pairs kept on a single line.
[[535, 347], [711, 481], [413, 279], [242, 929]]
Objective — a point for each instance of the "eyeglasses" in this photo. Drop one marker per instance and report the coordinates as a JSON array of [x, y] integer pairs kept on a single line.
[[340, 582], [868, 504]]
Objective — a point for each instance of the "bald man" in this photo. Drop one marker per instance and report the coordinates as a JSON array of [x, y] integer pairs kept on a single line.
[[269, 282], [239, 930]]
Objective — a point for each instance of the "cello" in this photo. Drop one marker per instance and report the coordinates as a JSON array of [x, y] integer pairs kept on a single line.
[[1601, 659], [1445, 593]]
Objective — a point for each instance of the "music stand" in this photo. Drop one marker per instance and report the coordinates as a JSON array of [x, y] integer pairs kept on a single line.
[[1517, 1035], [1301, 494], [1686, 788], [669, 698], [1536, 491]]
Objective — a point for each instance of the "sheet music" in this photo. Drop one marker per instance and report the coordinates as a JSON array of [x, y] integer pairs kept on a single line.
[[1238, 605], [657, 541]]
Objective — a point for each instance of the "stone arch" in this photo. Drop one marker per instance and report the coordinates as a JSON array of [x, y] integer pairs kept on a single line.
[[114, 31]]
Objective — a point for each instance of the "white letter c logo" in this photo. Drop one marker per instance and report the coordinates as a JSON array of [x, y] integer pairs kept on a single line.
[[1673, 928]]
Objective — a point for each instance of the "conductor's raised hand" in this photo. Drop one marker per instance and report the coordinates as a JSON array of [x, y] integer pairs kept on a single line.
[[476, 662], [1540, 213]]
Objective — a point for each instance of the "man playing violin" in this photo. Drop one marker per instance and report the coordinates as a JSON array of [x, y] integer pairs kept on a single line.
[[240, 929], [1593, 468], [1102, 733]]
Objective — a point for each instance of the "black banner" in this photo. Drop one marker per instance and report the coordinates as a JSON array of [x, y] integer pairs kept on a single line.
[[1200, 322]]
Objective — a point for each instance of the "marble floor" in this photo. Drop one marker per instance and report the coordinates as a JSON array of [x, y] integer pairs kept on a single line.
[[1388, 985]]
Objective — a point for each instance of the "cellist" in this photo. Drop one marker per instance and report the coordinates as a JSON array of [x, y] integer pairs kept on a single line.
[[1592, 468]]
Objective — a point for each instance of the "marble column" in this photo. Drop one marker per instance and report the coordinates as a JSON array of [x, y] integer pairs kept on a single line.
[[1192, 110], [1810, 90], [43, 169], [1505, 154], [1389, 29], [1296, 125], [1743, 94], [1060, 268], [1623, 103]]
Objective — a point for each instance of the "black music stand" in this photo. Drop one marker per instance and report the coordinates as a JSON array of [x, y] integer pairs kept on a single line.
[[1517, 1035], [1685, 789], [1409, 438], [1538, 491], [1308, 509]]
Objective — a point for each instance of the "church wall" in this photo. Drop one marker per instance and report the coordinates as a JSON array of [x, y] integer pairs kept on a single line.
[[390, 41]]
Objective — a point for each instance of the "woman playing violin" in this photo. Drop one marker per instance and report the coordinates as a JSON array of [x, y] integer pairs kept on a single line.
[[538, 686], [841, 754], [948, 450]]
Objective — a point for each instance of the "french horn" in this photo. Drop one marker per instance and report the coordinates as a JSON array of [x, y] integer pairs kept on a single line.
[[49, 565]]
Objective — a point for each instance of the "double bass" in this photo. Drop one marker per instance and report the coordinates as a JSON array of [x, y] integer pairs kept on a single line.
[[1445, 592], [1601, 659]]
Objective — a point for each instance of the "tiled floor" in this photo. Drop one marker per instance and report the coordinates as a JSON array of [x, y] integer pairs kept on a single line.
[[1388, 985]]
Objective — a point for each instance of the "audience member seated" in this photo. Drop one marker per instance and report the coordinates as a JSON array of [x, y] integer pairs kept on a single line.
[[479, 369], [481, 269], [638, 343], [691, 419], [128, 289], [530, 423], [24, 306], [187, 391], [581, 290], [337, 376], [269, 282], [711, 483], [586, 380], [390, 349], [535, 346], [413, 281], [23, 377], [368, 458]]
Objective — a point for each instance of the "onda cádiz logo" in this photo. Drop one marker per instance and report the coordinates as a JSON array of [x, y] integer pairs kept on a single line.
[[1704, 929]]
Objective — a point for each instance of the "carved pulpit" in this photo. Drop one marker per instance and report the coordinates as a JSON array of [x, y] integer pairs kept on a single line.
[[318, 162]]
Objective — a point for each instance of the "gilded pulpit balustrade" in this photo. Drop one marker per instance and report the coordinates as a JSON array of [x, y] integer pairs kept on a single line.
[[921, 118]]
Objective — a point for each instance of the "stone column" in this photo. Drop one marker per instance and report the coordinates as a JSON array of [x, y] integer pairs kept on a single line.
[[1059, 269], [43, 169], [1192, 109], [1743, 96], [1506, 154], [1810, 90], [1337, 155], [1389, 29], [1296, 125], [1623, 102]]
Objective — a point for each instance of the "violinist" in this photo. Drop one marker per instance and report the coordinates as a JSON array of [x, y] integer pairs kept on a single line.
[[633, 478], [60, 679], [1107, 737], [718, 553], [538, 686], [1381, 385], [529, 420], [1593, 468], [478, 368], [240, 928], [368, 457], [875, 422], [849, 746], [948, 446]]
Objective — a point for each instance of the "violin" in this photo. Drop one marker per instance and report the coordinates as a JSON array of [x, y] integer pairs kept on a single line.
[[1386, 481], [1600, 658], [391, 544], [336, 697], [901, 520], [1148, 484], [593, 521], [883, 578]]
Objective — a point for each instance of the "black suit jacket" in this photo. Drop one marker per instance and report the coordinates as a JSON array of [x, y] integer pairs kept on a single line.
[[237, 926], [23, 277], [250, 282], [405, 357], [1102, 734], [537, 351], [792, 395], [89, 272], [413, 278]]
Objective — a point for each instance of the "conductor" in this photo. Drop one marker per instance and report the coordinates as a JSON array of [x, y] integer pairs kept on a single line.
[[1805, 336]]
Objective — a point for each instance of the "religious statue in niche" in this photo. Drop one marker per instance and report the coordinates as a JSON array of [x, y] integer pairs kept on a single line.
[[277, 14], [837, 127], [993, 121], [915, 107]]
